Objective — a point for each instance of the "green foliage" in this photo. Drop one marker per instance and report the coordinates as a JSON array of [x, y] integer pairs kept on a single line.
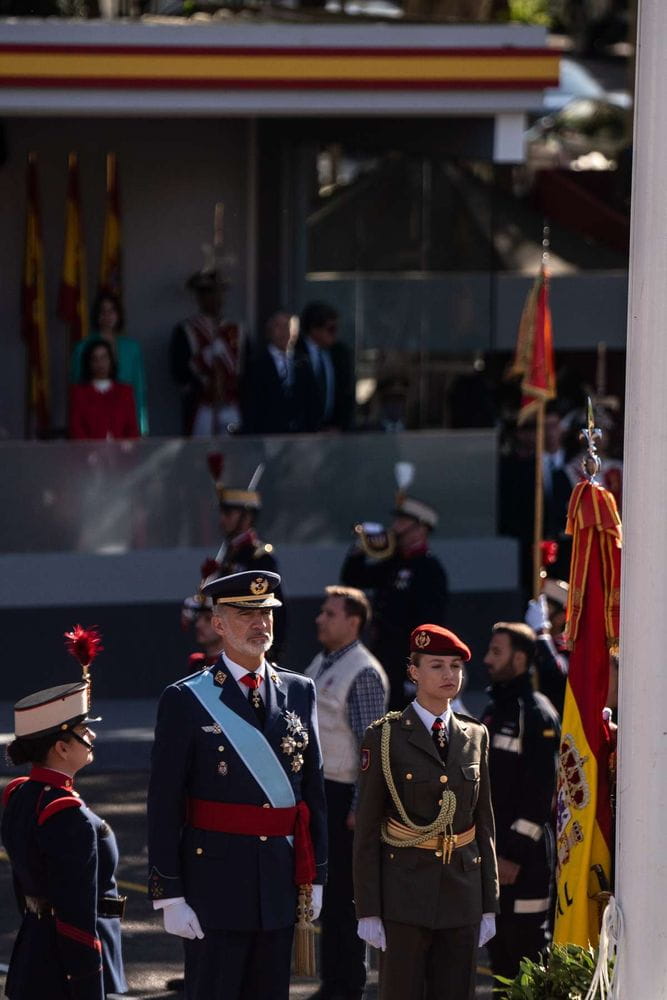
[[563, 972], [530, 11]]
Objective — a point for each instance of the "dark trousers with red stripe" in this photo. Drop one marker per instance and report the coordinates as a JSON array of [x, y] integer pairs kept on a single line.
[[342, 955], [239, 965]]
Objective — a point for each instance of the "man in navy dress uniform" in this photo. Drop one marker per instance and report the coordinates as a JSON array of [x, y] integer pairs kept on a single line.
[[236, 808]]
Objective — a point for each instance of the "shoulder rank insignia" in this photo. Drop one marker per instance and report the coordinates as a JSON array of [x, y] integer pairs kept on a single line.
[[389, 717]]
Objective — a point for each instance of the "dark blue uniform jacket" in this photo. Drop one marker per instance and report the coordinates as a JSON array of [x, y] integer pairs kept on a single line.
[[232, 881], [64, 856]]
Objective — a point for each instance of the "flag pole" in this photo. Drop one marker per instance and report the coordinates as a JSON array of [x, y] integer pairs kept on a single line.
[[538, 522], [641, 874]]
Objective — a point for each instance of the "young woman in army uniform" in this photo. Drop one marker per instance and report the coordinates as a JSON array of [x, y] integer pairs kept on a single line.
[[425, 874]]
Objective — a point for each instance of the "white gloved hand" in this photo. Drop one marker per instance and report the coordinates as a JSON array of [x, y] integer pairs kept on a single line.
[[181, 919], [487, 928], [316, 900], [371, 930], [537, 614]]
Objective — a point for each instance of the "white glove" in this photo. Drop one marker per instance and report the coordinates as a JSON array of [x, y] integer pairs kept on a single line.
[[371, 930], [316, 901], [537, 614], [487, 928], [181, 919]]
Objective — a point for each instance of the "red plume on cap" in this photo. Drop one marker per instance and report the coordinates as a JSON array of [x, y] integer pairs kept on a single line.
[[84, 644], [548, 552], [216, 463], [209, 567]]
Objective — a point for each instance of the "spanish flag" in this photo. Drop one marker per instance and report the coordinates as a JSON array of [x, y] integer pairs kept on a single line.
[[72, 301], [33, 309], [534, 357], [110, 262], [584, 828]]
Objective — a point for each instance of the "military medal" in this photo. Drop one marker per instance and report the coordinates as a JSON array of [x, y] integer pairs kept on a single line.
[[222, 768], [296, 740], [256, 698]]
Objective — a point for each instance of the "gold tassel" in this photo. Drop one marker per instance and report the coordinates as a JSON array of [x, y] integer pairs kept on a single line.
[[303, 963]]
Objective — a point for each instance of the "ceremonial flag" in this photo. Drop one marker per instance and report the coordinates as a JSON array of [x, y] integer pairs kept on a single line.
[[534, 357], [72, 301], [33, 307], [584, 820], [110, 262]]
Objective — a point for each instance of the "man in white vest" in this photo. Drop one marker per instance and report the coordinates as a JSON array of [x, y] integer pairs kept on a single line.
[[352, 691]]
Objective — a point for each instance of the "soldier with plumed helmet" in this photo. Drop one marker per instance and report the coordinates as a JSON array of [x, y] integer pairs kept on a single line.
[[63, 856]]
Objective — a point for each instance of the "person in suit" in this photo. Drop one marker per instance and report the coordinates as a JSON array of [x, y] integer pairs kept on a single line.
[[425, 873], [268, 390], [352, 691], [323, 372], [107, 322], [236, 808], [101, 408], [63, 857]]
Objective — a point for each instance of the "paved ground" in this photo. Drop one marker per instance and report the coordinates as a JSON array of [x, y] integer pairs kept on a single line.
[[152, 957]]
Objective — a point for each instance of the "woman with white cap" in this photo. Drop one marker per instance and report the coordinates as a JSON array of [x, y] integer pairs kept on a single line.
[[63, 857]]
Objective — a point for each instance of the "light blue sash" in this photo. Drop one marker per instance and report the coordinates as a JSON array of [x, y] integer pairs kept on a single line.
[[250, 744]]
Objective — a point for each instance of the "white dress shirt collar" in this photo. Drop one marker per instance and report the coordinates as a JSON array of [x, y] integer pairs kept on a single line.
[[428, 718], [237, 672]]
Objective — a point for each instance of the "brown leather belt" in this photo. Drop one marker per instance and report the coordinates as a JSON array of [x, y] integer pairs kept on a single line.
[[443, 844], [108, 906]]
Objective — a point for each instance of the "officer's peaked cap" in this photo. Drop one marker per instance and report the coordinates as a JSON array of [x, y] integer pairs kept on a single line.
[[245, 590]]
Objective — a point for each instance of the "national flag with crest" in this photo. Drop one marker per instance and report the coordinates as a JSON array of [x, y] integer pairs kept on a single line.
[[584, 826], [33, 309], [73, 299], [110, 262], [534, 357]]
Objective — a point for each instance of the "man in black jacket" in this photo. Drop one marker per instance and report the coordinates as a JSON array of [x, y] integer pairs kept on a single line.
[[524, 733], [323, 372], [268, 392]]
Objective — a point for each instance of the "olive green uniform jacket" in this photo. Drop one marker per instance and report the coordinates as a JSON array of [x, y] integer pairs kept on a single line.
[[412, 885]]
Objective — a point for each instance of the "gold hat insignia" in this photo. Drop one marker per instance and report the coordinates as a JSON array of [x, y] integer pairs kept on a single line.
[[422, 639], [259, 586]]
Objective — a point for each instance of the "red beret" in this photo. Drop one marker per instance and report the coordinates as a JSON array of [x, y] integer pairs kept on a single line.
[[438, 641]]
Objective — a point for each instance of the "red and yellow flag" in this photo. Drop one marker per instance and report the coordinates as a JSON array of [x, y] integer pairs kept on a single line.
[[33, 308], [534, 357], [73, 299], [584, 819], [110, 262]]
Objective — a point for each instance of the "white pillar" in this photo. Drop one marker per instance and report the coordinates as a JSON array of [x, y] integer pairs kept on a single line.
[[641, 881]]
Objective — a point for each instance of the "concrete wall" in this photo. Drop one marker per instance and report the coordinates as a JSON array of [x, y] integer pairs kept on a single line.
[[172, 173]]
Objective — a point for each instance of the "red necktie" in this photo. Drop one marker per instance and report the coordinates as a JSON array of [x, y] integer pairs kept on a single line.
[[439, 732], [253, 681]]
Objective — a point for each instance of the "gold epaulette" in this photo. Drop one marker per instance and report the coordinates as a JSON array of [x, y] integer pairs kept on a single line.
[[389, 717]]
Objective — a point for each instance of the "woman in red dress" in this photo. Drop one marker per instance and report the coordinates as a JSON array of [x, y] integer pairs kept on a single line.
[[101, 408]]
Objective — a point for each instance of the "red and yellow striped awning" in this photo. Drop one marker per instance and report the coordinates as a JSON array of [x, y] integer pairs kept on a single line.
[[281, 68]]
